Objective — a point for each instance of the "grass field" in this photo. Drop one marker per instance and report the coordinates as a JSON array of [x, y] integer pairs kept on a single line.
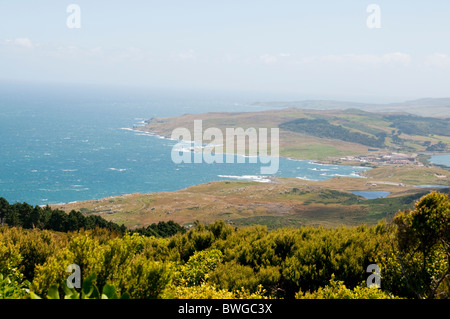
[[308, 145], [283, 202]]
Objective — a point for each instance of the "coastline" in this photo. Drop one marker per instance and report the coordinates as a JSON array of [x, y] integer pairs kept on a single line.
[[259, 197], [447, 167], [318, 162], [262, 179]]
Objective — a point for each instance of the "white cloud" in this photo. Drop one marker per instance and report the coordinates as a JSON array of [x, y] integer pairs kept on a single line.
[[97, 51], [187, 55], [25, 43], [130, 54], [438, 60], [396, 58], [268, 59]]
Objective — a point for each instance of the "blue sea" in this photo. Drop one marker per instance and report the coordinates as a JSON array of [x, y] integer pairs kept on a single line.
[[443, 159], [59, 144]]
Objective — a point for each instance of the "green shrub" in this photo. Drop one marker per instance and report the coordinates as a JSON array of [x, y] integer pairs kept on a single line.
[[88, 290], [337, 290], [12, 287], [199, 265], [145, 279], [233, 276]]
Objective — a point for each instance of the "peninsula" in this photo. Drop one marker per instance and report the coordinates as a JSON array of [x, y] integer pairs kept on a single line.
[[391, 144]]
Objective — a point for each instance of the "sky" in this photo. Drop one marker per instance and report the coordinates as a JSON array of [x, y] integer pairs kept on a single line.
[[323, 49]]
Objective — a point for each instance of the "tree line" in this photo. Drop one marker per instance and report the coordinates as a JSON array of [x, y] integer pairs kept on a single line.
[[322, 128], [27, 216], [417, 125]]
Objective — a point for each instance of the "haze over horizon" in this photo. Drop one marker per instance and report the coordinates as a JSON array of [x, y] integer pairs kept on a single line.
[[291, 49]]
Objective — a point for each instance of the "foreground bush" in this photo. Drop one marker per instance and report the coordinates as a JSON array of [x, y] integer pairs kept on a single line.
[[337, 290], [219, 261]]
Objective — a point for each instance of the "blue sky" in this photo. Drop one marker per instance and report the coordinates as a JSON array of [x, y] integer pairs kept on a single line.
[[320, 49]]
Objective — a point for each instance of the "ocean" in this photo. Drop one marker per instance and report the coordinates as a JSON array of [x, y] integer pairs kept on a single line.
[[443, 159], [60, 145]]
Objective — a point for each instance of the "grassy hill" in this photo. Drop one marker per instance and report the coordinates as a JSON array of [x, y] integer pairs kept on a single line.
[[283, 202], [436, 107], [326, 135]]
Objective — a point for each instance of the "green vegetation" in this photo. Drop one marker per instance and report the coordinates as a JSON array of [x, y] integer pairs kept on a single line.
[[315, 152], [416, 125], [423, 238], [26, 216], [327, 134], [322, 128], [337, 290], [437, 107], [220, 261], [283, 202]]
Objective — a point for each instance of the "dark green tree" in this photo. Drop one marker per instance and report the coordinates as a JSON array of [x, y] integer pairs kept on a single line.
[[423, 243], [4, 207]]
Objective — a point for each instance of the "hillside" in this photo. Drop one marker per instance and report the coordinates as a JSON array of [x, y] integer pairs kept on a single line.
[[349, 136], [283, 202], [436, 107], [327, 135]]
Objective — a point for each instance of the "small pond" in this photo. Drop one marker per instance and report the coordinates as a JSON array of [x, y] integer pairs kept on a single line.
[[371, 194]]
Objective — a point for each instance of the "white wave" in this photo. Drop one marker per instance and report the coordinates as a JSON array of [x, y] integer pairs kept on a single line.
[[146, 133], [319, 169], [352, 174], [255, 178], [361, 168], [143, 134], [305, 178], [355, 174], [69, 170], [333, 175], [322, 164], [294, 159], [117, 169], [140, 120]]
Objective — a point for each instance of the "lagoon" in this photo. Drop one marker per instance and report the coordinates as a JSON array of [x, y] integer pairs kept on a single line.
[[443, 159], [371, 194]]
